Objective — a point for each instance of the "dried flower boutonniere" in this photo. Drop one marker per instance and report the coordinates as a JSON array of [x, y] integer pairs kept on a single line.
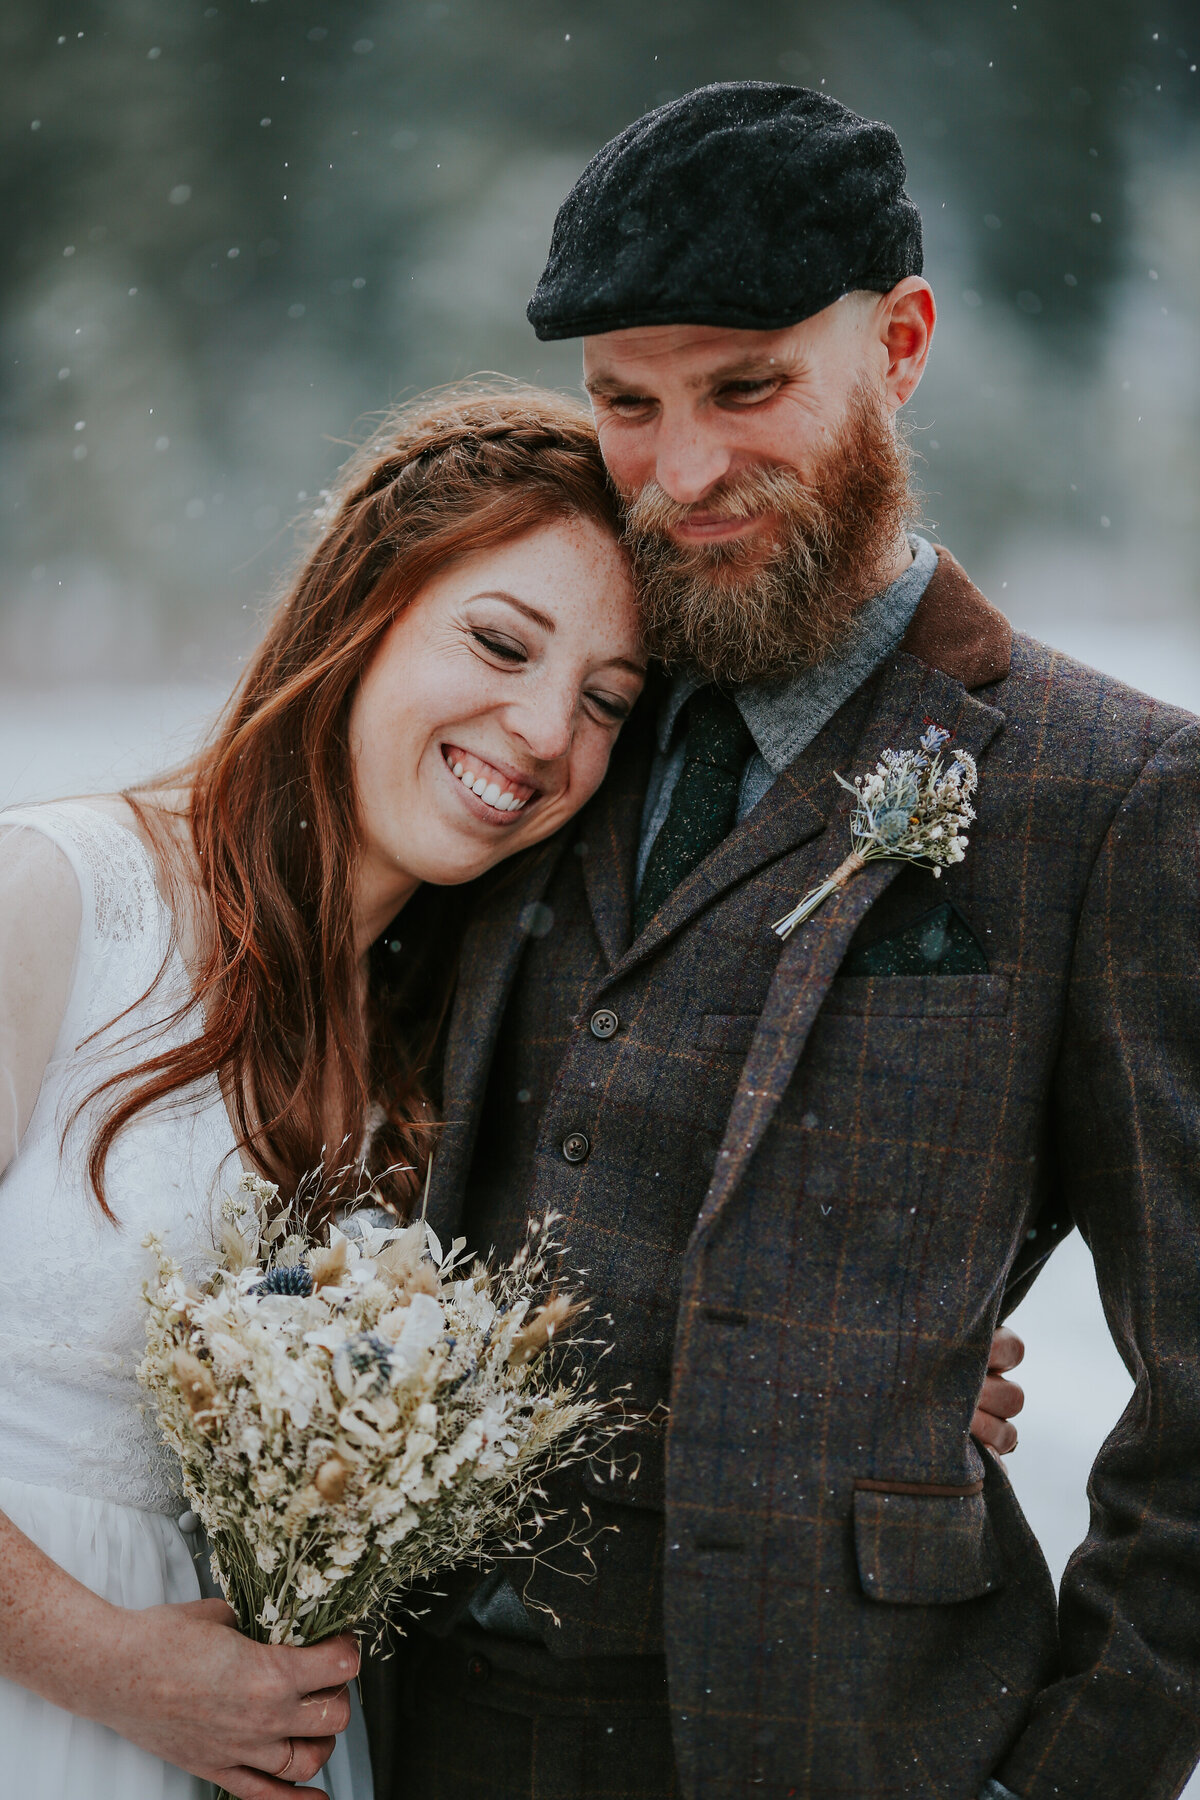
[[910, 810]]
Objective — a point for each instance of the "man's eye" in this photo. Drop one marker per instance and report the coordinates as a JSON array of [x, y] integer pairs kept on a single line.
[[628, 403], [742, 392], [507, 649]]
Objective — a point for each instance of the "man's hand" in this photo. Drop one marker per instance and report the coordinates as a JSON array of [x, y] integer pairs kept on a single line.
[[1000, 1400]]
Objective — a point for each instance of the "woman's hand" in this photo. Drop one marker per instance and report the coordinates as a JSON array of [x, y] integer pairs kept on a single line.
[[180, 1681], [1000, 1400], [184, 1684]]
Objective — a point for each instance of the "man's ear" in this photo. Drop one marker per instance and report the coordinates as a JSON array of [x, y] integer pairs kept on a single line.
[[907, 319]]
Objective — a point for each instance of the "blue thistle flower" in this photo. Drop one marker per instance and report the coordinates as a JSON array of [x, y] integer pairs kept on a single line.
[[296, 1281], [365, 1353]]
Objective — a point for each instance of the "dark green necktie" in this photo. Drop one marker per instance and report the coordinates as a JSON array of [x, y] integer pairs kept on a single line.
[[704, 803]]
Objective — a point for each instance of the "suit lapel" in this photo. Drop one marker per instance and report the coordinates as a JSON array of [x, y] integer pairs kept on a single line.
[[607, 840], [909, 696], [794, 811], [491, 951], [610, 827]]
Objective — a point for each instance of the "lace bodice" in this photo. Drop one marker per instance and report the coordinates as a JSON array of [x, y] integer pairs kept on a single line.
[[71, 1312]]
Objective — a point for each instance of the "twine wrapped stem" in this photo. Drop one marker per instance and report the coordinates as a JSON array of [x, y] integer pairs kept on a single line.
[[817, 896]]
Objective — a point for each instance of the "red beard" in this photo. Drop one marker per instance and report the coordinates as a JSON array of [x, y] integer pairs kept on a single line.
[[737, 611]]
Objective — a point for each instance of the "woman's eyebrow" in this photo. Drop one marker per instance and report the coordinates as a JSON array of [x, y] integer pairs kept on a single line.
[[522, 606]]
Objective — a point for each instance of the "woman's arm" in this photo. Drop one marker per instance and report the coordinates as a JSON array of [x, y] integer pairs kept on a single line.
[[178, 1680], [39, 930]]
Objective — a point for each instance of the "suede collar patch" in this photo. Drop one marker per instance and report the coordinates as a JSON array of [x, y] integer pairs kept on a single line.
[[956, 630]]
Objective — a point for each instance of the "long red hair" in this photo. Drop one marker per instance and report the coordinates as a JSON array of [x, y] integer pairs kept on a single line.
[[272, 815]]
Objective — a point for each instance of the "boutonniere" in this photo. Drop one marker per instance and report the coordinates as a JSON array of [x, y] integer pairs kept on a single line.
[[911, 809]]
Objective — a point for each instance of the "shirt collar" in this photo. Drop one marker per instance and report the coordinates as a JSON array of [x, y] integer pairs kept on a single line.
[[785, 715]]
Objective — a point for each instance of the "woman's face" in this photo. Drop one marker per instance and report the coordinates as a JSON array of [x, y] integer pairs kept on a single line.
[[487, 716]]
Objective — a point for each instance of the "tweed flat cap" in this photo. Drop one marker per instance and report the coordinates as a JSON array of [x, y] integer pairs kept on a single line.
[[745, 204]]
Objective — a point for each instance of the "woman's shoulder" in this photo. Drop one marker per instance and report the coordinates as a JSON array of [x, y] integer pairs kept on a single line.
[[39, 887], [41, 909], [106, 845]]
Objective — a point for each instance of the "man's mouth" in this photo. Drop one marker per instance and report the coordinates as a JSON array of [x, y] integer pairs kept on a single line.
[[709, 528], [496, 788]]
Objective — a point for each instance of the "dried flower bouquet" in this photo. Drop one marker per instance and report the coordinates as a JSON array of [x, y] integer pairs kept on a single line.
[[354, 1418]]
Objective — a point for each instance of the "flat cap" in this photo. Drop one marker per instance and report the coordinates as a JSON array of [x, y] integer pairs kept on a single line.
[[745, 204]]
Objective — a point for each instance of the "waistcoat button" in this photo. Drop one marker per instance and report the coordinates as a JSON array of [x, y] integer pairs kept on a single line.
[[604, 1023], [478, 1668], [575, 1146]]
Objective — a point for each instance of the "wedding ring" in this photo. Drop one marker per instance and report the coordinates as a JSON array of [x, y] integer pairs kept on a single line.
[[291, 1759]]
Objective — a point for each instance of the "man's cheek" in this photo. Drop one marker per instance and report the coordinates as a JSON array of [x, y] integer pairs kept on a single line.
[[629, 461]]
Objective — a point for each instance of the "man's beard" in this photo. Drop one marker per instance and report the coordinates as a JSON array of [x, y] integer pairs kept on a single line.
[[736, 611]]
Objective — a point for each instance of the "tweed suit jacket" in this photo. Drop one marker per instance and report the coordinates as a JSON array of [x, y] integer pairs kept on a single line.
[[873, 1167]]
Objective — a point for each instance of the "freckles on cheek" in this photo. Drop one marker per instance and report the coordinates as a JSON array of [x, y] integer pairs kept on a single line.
[[589, 770]]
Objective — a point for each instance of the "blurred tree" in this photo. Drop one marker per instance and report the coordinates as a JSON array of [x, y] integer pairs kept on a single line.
[[262, 217]]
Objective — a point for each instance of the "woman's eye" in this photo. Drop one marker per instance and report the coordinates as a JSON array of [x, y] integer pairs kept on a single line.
[[507, 649], [614, 712]]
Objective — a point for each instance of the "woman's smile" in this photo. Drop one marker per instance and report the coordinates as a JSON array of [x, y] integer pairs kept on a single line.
[[489, 791]]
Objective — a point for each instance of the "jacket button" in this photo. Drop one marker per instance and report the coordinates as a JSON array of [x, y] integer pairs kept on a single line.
[[575, 1146], [478, 1668], [604, 1023]]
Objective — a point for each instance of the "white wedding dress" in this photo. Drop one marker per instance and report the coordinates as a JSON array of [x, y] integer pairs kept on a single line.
[[82, 1471]]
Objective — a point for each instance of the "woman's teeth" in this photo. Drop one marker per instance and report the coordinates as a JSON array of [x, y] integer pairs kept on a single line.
[[489, 792]]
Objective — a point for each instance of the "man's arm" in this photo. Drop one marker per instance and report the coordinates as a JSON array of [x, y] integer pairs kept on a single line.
[[1124, 1719]]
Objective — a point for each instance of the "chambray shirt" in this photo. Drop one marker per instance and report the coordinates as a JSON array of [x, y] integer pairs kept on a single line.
[[783, 717]]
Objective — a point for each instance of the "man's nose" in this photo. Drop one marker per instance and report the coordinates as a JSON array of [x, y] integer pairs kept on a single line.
[[689, 461]]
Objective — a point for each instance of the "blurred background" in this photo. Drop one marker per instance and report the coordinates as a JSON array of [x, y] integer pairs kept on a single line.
[[235, 232]]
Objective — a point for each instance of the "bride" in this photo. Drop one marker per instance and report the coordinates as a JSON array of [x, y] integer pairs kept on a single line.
[[202, 974]]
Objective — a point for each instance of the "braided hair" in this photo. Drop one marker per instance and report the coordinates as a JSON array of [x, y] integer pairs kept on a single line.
[[454, 473]]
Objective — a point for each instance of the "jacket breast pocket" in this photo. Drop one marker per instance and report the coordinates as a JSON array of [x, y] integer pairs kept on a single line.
[[918, 996], [924, 1546]]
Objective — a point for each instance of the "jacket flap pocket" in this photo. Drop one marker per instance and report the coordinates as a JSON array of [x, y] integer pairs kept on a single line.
[[924, 1546]]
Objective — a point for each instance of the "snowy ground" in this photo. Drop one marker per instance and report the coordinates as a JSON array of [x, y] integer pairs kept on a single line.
[[81, 738]]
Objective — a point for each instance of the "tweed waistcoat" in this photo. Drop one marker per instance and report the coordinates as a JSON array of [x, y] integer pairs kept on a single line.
[[549, 1068], [873, 1165]]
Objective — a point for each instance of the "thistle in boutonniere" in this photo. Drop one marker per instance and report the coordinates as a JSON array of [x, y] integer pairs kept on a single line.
[[911, 809]]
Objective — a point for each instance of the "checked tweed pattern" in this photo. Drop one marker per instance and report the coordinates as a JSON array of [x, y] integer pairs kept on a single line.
[[808, 1197]]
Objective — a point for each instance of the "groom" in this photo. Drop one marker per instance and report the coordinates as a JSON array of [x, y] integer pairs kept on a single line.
[[806, 1178]]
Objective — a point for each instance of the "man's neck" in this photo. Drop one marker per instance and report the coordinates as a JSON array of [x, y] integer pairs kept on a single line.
[[900, 559]]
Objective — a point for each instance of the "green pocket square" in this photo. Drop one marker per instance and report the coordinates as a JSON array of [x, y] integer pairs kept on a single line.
[[939, 943]]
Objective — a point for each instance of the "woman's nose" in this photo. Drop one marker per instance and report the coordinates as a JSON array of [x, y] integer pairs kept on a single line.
[[545, 720]]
